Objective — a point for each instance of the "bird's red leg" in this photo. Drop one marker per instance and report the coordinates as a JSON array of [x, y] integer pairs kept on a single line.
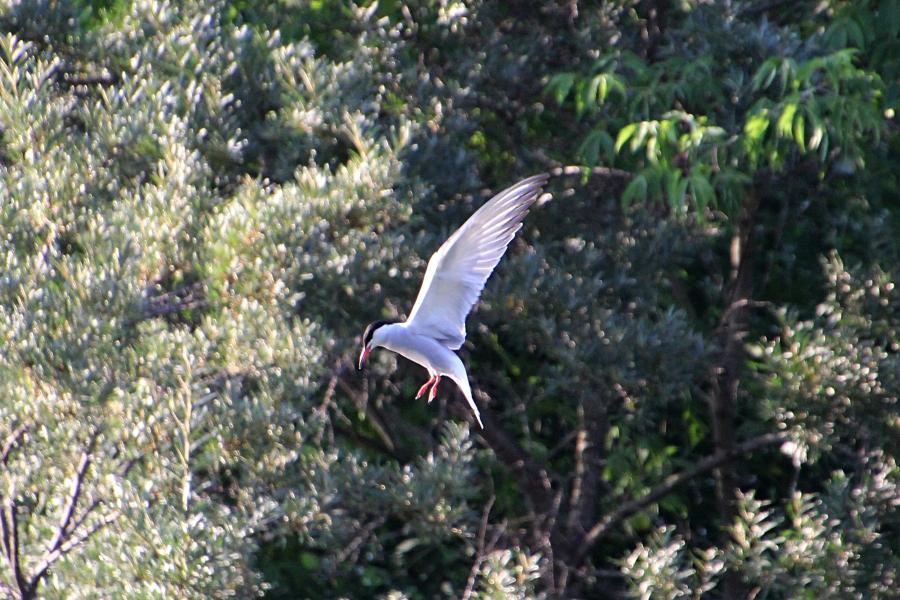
[[425, 386], [437, 380]]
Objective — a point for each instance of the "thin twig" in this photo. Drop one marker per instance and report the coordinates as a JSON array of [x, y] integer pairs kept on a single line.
[[84, 464], [479, 553], [10, 443], [358, 540], [68, 545], [593, 171]]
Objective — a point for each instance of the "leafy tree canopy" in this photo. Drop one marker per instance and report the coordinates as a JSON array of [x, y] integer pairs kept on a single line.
[[688, 363]]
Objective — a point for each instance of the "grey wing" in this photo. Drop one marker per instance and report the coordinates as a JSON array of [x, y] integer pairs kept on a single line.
[[457, 272]]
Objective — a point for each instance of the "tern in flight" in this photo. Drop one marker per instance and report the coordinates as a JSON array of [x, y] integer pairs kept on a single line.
[[455, 276]]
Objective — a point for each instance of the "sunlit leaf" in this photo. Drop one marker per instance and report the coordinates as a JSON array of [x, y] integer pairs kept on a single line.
[[624, 134], [756, 126], [786, 120], [799, 132]]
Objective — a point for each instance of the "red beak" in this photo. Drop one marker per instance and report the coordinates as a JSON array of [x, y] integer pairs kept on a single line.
[[363, 356]]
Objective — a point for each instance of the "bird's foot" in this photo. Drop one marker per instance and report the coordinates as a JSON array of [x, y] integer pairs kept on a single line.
[[431, 396], [425, 386]]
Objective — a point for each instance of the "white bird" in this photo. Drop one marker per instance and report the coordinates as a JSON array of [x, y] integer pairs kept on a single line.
[[455, 276]]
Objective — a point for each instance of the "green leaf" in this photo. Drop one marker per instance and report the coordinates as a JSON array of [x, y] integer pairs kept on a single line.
[[786, 120], [579, 97], [799, 131], [560, 85], [597, 140], [602, 87], [765, 75], [635, 190], [756, 126], [644, 129], [616, 85], [855, 34], [591, 92], [818, 129], [624, 134], [652, 151], [702, 191], [676, 188], [787, 71]]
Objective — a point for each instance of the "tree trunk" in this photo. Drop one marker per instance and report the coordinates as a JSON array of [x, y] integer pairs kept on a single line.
[[726, 377]]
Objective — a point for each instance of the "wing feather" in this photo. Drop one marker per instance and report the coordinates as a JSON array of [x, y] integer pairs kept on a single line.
[[457, 272]]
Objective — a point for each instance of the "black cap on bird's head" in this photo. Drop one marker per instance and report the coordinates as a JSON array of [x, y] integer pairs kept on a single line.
[[367, 340]]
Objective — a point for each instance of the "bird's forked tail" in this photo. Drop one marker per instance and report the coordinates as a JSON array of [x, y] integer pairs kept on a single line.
[[463, 384]]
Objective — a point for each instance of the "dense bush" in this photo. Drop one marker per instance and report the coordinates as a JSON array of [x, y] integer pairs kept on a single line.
[[688, 363]]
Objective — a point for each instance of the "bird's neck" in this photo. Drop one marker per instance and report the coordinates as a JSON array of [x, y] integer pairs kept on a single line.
[[390, 334]]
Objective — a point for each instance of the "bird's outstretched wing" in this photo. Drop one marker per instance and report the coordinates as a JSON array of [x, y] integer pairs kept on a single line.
[[457, 272]]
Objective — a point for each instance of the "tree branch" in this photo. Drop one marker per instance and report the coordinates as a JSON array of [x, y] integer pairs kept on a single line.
[[532, 479], [479, 554], [65, 520], [68, 545], [588, 476], [10, 443], [626, 509], [727, 368]]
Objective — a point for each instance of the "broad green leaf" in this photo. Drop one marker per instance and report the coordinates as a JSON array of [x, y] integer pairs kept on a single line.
[[786, 120], [560, 85], [597, 140], [644, 129], [787, 72], [701, 191], [624, 134], [651, 150], [799, 132], [591, 93], [579, 97], [668, 132], [635, 190], [676, 187], [817, 135], [855, 33], [823, 148], [756, 126], [765, 75], [616, 84]]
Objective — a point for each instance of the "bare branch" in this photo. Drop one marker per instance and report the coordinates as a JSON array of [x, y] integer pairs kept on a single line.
[[68, 545], [626, 509], [10, 526], [10, 443], [72, 501], [479, 553], [358, 540], [594, 171]]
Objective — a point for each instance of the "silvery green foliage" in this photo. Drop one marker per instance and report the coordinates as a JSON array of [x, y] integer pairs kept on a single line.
[[803, 551], [509, 574], [840, 369], [167, 316], [659, 570]]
